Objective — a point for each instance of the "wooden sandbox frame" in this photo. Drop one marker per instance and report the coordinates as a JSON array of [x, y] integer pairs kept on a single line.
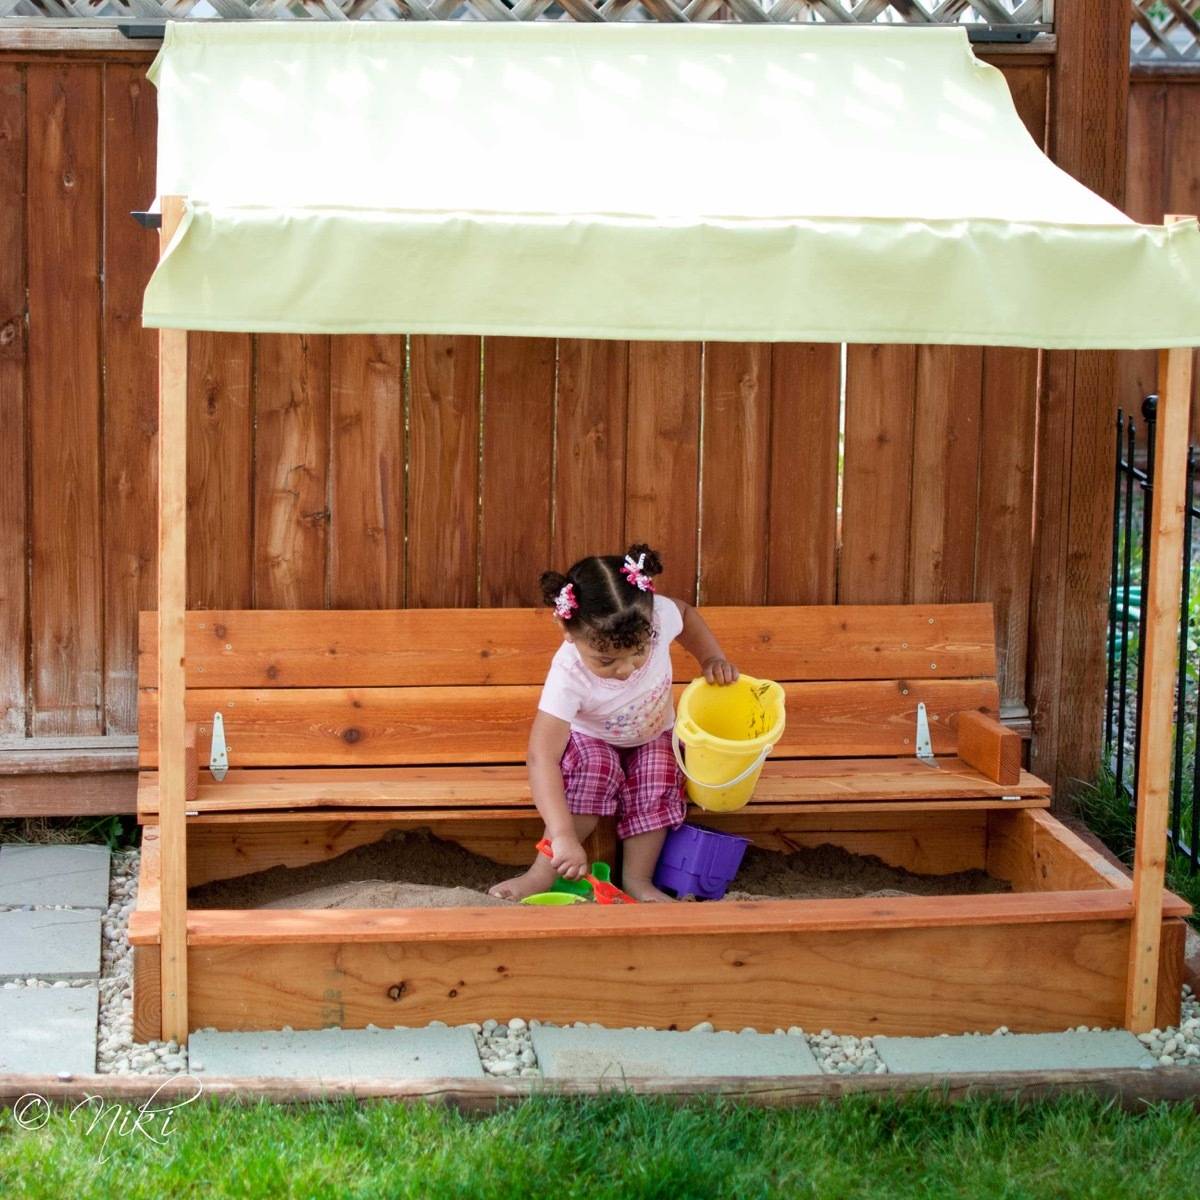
[[1077, 944]]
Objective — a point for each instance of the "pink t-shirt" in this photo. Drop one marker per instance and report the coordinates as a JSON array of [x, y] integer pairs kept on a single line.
[[622, 712]]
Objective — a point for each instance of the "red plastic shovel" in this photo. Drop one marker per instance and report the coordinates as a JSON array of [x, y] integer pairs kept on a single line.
[[602, 892]]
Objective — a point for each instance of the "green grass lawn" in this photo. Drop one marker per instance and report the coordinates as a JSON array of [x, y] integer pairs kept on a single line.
[[620, 1147]]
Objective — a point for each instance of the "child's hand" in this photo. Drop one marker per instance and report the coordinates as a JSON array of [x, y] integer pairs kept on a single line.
[[568, 859], [719, 670]]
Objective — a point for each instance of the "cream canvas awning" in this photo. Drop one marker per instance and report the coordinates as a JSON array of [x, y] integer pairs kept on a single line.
[[716, 181]]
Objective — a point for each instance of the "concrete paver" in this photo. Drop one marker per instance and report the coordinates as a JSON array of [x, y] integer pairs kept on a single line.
[[47, 1030], [72, 875], [50, 944], [1013, 1052], [338, 1053], [617, 1053]]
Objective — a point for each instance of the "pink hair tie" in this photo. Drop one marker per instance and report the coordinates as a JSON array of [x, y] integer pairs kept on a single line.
[[565, 603], [634, 573]]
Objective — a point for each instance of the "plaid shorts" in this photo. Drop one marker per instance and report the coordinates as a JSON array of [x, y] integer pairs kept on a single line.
[[642, 785]]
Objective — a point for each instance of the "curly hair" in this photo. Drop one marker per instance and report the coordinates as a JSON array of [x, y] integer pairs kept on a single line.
[[612, 613]]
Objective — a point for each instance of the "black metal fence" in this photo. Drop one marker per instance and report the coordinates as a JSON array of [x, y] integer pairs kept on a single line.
[[1132, 491]]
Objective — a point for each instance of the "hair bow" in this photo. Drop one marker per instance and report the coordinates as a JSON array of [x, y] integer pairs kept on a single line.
[[634, 573], [565, 603]]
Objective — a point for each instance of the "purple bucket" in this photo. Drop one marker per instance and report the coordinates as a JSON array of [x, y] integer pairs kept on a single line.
[[698, 862]]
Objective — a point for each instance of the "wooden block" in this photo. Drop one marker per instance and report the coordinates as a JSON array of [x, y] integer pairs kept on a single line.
[[1171, 953], [991, 748], [147, 993], [191, 762]]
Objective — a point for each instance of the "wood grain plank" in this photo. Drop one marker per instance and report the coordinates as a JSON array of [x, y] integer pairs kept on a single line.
[[349, 726], [734, 494], [589, 489], [171, 736], [306, 648], [945, 483], [366, 550], [1088, 140], [1047, 594], [444, 432], [68, 794], [662, 458], [930, 843], [1157, 708], [65, 170], [14, 467], [1088, 566], [1030, 90], [786, 784], [518, 450], [1146, 200], [291, 451], [1039, 976], [593, 925], [221, 469], [1182, 194], [1004, 549], [876, 503], [130, 391], [805, 418]]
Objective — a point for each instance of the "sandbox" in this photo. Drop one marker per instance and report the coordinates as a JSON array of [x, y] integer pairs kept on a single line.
[[1046, 950]]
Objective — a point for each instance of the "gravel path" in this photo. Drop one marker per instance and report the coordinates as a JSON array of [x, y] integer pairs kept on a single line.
[[505, 1048]]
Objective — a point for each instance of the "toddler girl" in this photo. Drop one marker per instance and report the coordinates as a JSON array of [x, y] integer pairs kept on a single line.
[[601, 739]]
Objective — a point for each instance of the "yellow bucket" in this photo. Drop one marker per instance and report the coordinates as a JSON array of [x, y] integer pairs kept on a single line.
[[728, 731]]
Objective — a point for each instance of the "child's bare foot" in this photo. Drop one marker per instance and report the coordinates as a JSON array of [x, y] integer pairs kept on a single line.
[[644, 891], [538, 878]]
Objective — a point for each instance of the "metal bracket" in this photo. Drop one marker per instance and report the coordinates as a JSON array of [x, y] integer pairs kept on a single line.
[[924, 741], [218, 758], [147, 219]]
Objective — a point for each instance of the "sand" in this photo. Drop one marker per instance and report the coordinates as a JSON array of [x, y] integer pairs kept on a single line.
[[414, 869], [831, 873]]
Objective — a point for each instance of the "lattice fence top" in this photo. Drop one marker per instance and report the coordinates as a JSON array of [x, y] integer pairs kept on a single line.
[[1032, 14], [1166, 31]]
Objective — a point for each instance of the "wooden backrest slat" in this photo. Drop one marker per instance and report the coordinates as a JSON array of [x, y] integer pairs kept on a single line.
[[261, 648], [267, 727]]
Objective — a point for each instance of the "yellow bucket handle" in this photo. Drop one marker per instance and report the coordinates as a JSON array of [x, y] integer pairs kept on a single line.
[[754, 766]]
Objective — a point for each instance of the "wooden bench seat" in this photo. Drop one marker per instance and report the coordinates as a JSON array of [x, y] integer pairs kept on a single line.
[[429, 710], [783, 786]]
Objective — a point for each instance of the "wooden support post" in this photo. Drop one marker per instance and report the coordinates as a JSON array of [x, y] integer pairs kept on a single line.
[[172, 600], [1161, 648]]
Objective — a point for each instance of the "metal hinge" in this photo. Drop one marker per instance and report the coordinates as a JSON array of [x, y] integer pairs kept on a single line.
[[218, 758], [924, 741]]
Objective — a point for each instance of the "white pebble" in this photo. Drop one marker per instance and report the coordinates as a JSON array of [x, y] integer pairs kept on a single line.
[[517, 1023], [1166, 1060], [702, 1027]]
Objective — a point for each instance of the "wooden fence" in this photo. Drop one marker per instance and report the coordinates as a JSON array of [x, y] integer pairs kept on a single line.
[[392, 471]]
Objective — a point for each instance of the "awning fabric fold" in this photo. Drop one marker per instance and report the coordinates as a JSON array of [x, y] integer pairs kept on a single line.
[[715, 181]]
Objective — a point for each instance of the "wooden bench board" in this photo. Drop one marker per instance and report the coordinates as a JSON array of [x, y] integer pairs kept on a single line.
[[274, 648], [378, 726], [799, 782]]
